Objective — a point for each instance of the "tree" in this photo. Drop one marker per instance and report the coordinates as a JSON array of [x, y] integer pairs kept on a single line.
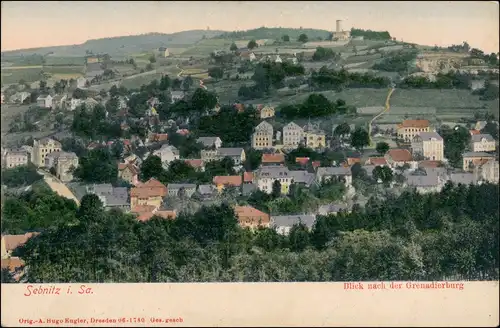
[[187, 83], [360, 138], [152, 59], [90, 206], [252, 44], [20, 176], [203, 100], [216, 72], [491, 128], [383, 173], [149, 67], [303, 38], [276, 191], [97, 158], [342, 130], [382, 147], [253, 159], [299, 237], [233, 47], [285, 38]]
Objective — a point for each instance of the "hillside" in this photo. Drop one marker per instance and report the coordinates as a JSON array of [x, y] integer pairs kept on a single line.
[[121, 45], [275, 33]]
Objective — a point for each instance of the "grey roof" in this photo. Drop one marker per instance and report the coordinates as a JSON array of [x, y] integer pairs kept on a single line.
[[291, 220], [302, 177], [422, 180], [231, 152], [59, 154], [479, 137], [264, 126], [92, 67], [463, 178], [100, 189], [334, 171], [477, 154], [248, 188], [207, 141], [181, 185], [119, 197], [206, 189], [333, 208], [426, 136], [170, 148], [273, 171], [17, 152], [439, 171], [368, 169]]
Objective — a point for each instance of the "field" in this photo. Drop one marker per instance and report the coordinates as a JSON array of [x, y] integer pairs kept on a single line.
[[205, 47], [76, 61], [14, 75]]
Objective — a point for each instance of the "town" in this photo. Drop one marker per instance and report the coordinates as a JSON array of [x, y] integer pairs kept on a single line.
[[297, 157]]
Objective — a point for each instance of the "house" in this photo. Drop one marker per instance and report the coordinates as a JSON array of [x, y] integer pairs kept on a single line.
[[480, 125], [350, 161], [267, 112], [20, 97], [177, 95], [262, 137], [181, 189], [284, 223], [488, 171], [293, 135], [222, 181], [198, 164], [303, 178], [111, 197], [156, 137], [398, 157], [278, 59], [81, 82], [167, 153], [236, 154], [210, 142], [145, 213], [424, 183], [163, 52], [408, 129], [474, 132], [465, 178], [43, 147], [15, 266], [265, 177], [429, 145], [148, 193], [339, 173], [273, 159], [64, 164], [472, 159], [44, 101], [206, 191], [248, 55], [251, 217], [59, 101], [314, 137], [90, 103], [482, 142], [329, 209], [128, 172], [73, 103], [14, 158], [376, 161], [302, 160], [247, 177], [11, 242]]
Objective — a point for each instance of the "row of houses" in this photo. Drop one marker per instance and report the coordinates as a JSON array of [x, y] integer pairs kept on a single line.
[[293, 136]]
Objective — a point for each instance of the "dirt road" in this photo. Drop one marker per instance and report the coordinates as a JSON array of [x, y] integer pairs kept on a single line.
[[57, 186]]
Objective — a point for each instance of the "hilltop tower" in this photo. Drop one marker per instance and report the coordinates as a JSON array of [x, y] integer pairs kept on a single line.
[[339, 26], [339, 34]]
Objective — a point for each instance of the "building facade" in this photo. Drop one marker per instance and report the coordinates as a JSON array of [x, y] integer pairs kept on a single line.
[[482, 142], [43, 147], [408, 129], [429, 145], [14, 158], [262, 138], [293, 135]]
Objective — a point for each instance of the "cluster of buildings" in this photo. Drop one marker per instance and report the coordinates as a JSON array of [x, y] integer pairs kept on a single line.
[[293, 136]]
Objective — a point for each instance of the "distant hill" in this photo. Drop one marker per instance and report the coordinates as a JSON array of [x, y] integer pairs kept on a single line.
[[275, 33], [121, 45]]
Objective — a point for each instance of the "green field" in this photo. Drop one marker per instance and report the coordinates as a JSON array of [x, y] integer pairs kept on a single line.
[[77, 61], [138, 81], [28, 74], [63, 69], [205, 47]]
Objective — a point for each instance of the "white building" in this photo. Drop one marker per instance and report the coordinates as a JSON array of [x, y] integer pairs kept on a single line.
[[44, 101], [167, 154], [262, 138], [429, 145], [293, 135], [482, 142]]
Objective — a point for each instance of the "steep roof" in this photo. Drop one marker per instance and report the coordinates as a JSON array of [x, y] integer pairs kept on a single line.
[[196, 163], [230, 152], [248, 211], [232, 180], [377, 161], [14, 241], [247, 177], [264, 127], [399, 155], [133, 169], [273, 158], [427, 136], [151, 188], [480, 137], [207, 141]]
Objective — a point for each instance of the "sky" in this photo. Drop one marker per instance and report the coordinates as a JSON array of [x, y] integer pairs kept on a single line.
[[32, 24]]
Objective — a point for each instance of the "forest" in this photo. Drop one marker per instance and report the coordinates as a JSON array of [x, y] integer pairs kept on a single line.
[[451, 235]]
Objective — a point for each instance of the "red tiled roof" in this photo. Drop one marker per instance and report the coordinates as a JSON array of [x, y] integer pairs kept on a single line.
[[141, 209], [131, 167], [316, 164], [249, 211], [377, 161], [302, 160], [353, 160], [399, 155], [14, 241], [158, 137], [152, 188], [273, 158], [232, 180], [126, 142], [197, 163], [415, 124], [248, 177], [163, 214], [474, 132], [12, 263]]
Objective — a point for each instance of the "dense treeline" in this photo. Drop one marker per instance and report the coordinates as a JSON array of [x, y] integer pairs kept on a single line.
[[370, 35], [449, 80], [398, 63], [315, 105], [326, 79], [450, 235]]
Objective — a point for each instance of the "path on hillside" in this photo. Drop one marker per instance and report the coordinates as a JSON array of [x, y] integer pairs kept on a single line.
[[57, 186], [182, 71], [386, 109]]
